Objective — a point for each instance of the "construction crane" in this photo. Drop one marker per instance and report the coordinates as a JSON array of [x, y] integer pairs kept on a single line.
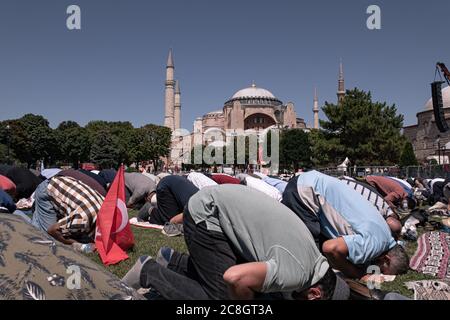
[[444, 70]]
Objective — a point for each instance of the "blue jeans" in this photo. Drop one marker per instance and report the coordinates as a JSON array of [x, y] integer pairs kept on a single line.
[[44, 215], [22, 214]]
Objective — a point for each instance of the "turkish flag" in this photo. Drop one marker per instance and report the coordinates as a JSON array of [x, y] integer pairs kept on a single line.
[[113, 232]]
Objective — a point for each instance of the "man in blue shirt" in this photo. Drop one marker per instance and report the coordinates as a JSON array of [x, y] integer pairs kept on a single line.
[[277, 183], [356, 234]]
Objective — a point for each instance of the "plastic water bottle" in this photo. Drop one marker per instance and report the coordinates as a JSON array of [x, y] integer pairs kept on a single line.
[[88, 248], [405, 204], [84, 248]]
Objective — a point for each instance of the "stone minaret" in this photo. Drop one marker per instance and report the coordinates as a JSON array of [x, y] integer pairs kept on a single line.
[[341, 85], [177, 107], [316, 110], [170, 94]]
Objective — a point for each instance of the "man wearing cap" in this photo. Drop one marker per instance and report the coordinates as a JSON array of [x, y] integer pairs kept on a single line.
[[242, 245], [353, 233]]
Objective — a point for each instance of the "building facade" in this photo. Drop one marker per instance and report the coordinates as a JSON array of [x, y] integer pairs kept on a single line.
[[425, 136], [251, 109]]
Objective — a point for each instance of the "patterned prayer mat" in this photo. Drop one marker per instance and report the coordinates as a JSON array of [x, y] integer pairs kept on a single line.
[[33, 266], [432, 255], [430, 289]]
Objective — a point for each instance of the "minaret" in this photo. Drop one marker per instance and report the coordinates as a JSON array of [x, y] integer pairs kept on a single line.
[[170, 95], [177, 109], [316, 110], [341, 85]]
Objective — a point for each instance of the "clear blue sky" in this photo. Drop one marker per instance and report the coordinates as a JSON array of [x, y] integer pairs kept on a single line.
[[114, 68]]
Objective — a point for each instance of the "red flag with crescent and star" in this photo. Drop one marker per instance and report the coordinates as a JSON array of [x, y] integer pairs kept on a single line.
[[113, 232]]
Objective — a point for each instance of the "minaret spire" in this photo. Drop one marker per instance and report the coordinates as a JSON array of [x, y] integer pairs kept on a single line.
[[316, 110], [177, 105], [341, 84], [170, 59], [169, 93]]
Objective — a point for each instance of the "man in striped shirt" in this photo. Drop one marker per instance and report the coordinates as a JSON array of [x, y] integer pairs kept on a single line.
[[371, 194], [66, 209], [355, 234]]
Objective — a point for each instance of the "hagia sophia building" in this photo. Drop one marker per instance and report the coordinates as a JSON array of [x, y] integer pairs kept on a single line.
[[257, 109], [251, 108]]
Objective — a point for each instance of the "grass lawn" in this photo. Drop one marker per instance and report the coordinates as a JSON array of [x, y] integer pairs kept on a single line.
[[398, 284], [148, 242]]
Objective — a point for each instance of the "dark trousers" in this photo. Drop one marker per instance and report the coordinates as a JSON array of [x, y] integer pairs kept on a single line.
[[167, 207], [291, 199], [197, 276]]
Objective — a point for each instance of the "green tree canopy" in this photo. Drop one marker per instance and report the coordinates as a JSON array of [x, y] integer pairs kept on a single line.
[[32, 139], [104, 149], [367, 132], [124, 133], [408, 158], [152, 143], [74, 143], [295, 149]]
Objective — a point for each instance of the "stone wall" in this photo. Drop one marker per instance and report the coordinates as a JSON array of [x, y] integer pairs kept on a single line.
[[423, 136]]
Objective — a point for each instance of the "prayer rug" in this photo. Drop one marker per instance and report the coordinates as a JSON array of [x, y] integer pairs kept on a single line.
[[432, 255], [430, 289], [145, 225]]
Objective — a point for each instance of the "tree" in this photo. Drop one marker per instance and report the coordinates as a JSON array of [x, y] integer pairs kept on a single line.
[[32, 139], [295, 149], [74, 143], [66, 125], [324, 151], [153, 142], [408, 158], [367, 132], [104, 149], [5, 139], [124, 133]]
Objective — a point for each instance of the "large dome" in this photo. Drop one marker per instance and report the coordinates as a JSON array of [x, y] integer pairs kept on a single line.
[[253, 92], [445, 99]]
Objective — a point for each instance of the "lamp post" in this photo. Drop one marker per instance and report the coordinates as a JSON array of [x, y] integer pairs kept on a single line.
[[439, 149], [443, 154], [8, 142]]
